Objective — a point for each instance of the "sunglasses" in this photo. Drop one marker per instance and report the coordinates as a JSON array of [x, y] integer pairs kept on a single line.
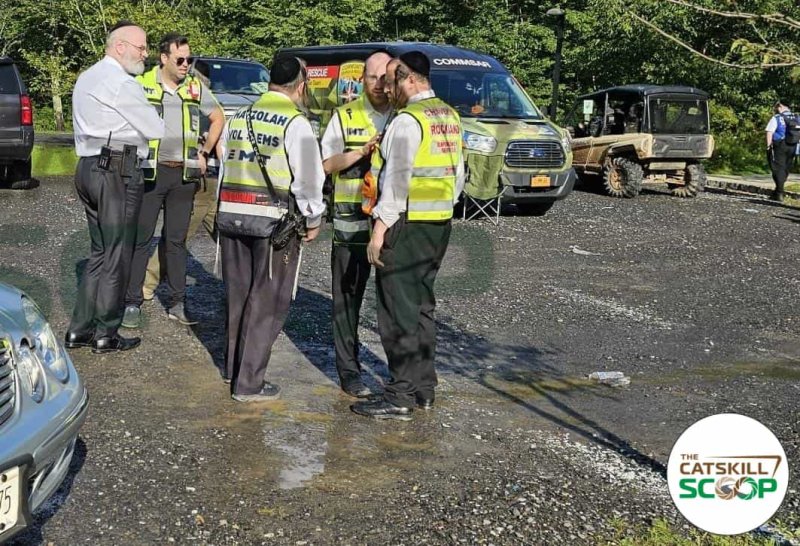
[[180, 60]]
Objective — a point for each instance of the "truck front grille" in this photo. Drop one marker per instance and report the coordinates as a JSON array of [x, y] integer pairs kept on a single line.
[[535, 154], [8, 392]]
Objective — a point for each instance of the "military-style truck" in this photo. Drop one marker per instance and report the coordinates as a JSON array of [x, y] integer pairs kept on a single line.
[[642, 134]]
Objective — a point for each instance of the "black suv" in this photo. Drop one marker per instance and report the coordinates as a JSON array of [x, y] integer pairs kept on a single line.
[[16, 128]]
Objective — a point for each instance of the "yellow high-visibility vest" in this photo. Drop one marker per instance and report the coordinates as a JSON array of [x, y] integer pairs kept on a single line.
[[433, 177], [350, 224], [190, 92], [243, 188]]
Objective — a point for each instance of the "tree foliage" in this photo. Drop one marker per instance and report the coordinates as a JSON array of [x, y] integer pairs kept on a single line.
[[607, 42]]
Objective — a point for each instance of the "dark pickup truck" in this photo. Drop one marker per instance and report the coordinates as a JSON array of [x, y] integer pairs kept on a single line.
[[16, 128]]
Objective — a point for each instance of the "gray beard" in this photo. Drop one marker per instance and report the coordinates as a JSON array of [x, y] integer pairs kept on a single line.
[[134, 68]]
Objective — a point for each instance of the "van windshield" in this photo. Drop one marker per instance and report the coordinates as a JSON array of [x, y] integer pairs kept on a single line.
[[483, 94], [238, 77], [674, 115]]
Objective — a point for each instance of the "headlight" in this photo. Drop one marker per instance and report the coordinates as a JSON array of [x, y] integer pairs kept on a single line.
[[479, 143], [566, 142], [31, 373], [44, 341]]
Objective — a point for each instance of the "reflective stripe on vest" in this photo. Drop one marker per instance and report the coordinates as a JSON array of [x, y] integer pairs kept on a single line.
[[271, 115], [433, 178], [190, 93], [350, 225]]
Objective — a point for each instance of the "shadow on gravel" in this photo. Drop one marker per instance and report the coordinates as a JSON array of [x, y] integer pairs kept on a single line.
[[309, 327], [33, 535], [523, 372], [205, 302], [792, 218]]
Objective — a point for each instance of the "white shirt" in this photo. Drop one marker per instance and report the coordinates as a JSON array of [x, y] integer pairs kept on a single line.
[[302, 153], [333, 139], [400, 145], [772, 126], [108, 99]]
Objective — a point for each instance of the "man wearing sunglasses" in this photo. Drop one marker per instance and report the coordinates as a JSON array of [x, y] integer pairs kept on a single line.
[[172, 172]]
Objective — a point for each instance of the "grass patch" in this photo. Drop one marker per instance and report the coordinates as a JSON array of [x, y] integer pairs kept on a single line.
[[660, 533], [49, 160]]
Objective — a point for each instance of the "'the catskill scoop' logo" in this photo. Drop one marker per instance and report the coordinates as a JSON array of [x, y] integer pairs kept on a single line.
[[727, 474]]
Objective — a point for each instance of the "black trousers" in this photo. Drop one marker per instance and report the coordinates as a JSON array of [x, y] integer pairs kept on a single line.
[[780, 162], [256, 305], [350, 270], [177, 198], [412, 254], [112, 206]]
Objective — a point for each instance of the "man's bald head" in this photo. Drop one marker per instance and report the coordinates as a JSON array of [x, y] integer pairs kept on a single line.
[[128, 45], [374, 76]]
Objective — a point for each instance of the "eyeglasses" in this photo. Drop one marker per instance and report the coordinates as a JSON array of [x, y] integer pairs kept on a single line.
[[141, 48], [180, 60]]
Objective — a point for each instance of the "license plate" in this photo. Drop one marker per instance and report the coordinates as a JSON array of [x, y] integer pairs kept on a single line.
[[542, 181], [9, 499]]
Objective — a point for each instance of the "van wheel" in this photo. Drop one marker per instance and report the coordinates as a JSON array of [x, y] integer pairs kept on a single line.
[[694, 181], [622, 177]]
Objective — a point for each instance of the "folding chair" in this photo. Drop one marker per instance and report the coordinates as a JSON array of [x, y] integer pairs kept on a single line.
[[482, 196]]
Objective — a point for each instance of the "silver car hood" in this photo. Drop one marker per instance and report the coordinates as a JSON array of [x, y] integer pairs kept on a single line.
[[231, 103], [12, 317]]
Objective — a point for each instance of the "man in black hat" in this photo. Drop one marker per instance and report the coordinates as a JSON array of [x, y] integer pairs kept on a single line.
[[421, 180], [781, 144], [260, 277]]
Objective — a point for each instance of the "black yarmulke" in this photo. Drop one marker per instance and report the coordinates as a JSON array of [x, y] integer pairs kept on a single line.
[[416, 61], [122, 23], [284, 70]]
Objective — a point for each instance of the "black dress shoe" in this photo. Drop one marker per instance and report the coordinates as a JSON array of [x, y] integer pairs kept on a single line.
[[76, 341], [425, 402], [356, 389], [382, 409], [113, 344]]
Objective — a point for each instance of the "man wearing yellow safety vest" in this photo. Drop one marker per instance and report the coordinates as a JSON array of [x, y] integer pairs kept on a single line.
[[255, 195], [347, 145], [421, 179], [172, 171]]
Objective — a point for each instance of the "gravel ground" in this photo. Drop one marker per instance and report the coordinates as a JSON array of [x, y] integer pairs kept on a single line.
[[694, 300]]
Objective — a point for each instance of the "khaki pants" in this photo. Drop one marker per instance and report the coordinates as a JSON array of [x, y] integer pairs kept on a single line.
[[204, 212]]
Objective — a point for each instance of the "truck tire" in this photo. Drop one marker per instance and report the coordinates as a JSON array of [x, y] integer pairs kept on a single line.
[[622, 177], [18, 176], [694, 178]]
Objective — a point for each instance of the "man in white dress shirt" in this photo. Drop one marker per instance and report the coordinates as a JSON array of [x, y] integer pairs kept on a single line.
[[259, 279], [421, 179], [110, 113], [347, 147]]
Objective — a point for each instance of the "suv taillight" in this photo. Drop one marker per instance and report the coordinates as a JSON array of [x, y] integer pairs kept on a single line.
[[26, 110]]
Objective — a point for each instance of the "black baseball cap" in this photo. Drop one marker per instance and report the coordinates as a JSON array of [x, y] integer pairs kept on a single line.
[[782, 102], [416, 61], [284, 70]]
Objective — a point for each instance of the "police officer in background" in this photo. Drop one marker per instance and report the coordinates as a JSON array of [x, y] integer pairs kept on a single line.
[[347, 145], [779, 153], [172, 171], [421, 180], [112, 123], [259, 279]]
